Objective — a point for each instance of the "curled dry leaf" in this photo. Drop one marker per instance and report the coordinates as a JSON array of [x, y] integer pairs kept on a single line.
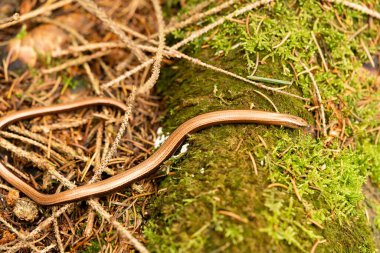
[[46, 38], [25, 209]]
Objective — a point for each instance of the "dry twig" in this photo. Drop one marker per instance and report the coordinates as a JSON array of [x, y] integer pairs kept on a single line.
[[36, 13], [357, 7], [319, 99], [98, 12]]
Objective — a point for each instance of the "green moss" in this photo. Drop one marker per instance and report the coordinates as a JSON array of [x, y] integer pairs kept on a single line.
[[72, 83], [353, 237], [306, 189], [93, 248], [214, 176]]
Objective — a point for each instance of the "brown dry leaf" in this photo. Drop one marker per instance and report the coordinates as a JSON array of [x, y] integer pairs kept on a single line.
[[80, 22], [7, 237], [12, 196], [46, 38], [40, 40]]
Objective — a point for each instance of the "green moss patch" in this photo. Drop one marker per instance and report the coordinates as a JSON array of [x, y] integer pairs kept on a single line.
[[213, 198], [306, 189]]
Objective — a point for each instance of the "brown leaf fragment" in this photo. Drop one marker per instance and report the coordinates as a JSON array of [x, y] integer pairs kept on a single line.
[[40, 40], [12, 197], [27, 5], [46, 38], [7, 237]]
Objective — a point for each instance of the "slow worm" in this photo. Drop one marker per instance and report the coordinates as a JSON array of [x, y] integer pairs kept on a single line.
[[144, 168]]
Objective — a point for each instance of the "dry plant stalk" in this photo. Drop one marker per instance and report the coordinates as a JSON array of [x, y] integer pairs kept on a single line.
[[59, 126], [161, 44], [319, 99], [94, 9], [220, 21], [196, 17], [357, 7], [54, 143], [75, 62], [35, 13], [115, 144], [57, 156]]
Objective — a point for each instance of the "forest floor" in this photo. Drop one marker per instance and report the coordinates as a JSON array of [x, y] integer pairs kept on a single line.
[[238, 188]]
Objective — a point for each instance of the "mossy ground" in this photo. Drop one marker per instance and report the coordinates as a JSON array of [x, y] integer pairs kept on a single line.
[[307, 189], [217, 175]]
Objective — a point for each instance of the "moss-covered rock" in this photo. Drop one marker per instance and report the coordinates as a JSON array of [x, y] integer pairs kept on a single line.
[[253, 188], [212, 198]]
